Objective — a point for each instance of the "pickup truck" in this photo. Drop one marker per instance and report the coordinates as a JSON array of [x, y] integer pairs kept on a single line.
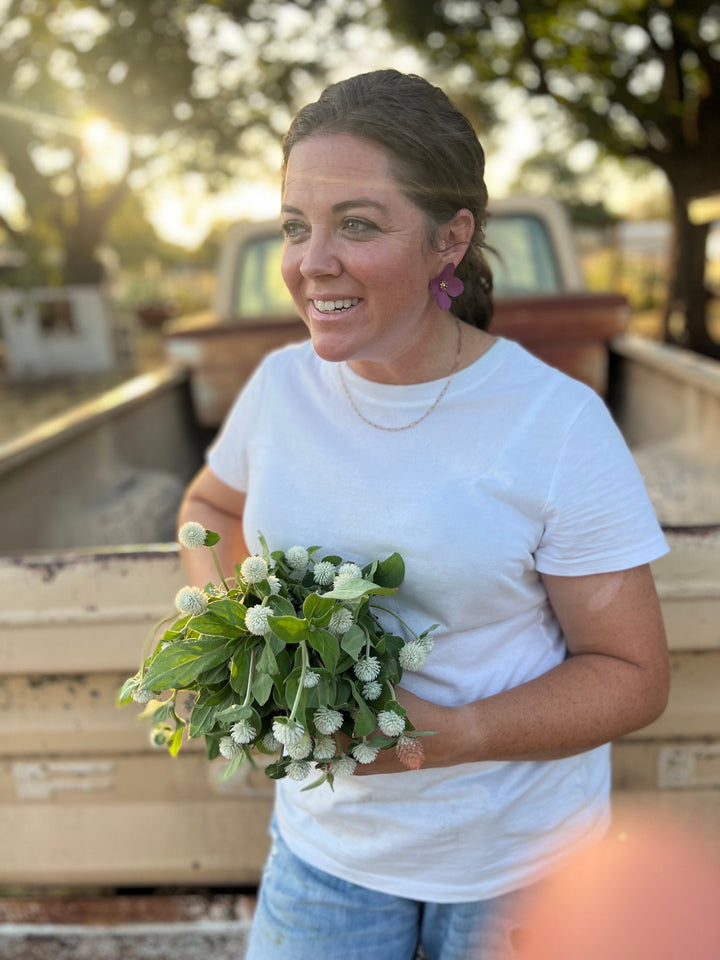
[[88, 565]]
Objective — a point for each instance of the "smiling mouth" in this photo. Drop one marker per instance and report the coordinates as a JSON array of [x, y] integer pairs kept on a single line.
[[334, 306]]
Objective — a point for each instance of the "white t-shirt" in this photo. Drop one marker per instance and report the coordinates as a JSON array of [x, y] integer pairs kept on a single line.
[[518, 470]]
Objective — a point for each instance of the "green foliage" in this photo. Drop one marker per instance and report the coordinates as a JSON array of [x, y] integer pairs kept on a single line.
[[245, 682], [162, 74]]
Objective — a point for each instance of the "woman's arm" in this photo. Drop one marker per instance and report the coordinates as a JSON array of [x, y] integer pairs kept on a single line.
[[217, 507], [615, 680]]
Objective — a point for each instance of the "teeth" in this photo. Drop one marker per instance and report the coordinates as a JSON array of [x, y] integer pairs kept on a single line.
[[328, 306]]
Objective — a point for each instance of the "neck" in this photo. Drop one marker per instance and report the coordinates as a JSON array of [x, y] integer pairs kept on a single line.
[[433, 358]]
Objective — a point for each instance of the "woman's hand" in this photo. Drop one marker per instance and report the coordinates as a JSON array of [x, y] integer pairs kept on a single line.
[[439, 748], [615, 680]]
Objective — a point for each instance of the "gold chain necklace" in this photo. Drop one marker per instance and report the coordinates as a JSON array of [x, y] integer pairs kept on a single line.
[[436, 401]]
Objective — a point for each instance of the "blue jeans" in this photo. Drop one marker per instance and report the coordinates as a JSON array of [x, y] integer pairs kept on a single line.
[[306, 914]]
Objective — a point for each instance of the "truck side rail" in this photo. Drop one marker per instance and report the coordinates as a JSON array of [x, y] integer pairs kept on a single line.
[[111, 470]]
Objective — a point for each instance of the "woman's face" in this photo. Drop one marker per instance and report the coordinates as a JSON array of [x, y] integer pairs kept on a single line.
[[357, 260]]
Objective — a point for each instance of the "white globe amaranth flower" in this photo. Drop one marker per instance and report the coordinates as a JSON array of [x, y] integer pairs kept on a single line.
[[372, 690], [348, 571], [297, 557], [324, 573], [253, 569], [256, 619], [286, 731], [364, 753], [298, 769], [340, 621], [228, 748], [324, 748], [412, 656], [343, 766], [142, 696], [192, 535], [270, 743], [275, 585], [191, 601], [367, 669], [159, 735], [242, 731], [311, 680], [391, 723], [301, 749], [327, 720]]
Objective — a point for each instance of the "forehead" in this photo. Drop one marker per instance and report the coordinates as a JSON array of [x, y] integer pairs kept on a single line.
[[334, 164]]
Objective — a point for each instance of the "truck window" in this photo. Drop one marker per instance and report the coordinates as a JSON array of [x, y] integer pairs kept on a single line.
[[260, 290], [525, 261]]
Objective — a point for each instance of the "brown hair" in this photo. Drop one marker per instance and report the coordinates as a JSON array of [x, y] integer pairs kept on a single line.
[[436, 158]]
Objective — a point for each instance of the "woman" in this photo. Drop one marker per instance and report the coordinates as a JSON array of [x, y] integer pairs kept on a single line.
[[524, 525]]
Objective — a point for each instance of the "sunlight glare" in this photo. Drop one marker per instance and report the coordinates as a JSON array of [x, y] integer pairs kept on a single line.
[[107, 149]]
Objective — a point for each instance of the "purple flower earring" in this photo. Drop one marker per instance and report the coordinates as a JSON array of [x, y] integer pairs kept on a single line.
[[445, 286]]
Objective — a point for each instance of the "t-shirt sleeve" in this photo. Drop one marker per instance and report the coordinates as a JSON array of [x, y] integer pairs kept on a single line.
[[598, 517], [228, 454]]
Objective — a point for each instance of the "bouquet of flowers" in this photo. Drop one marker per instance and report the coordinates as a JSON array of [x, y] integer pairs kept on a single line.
[[287, 659]]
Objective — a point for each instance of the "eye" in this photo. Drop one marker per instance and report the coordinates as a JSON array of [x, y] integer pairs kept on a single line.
[[356, 225], [293, 229]]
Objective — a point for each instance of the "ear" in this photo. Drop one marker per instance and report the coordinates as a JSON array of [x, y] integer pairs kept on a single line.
[[454, 236]]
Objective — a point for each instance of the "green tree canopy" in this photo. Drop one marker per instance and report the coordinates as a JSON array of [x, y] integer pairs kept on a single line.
[[640, 77], [193, 86]]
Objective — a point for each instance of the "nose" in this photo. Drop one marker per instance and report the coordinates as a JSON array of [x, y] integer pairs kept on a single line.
[[319, 257]]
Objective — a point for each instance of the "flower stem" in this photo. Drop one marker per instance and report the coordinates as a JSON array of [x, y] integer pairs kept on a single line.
[[303, 668], [246, 701], [393, 614], [150, 637], [219, 568]]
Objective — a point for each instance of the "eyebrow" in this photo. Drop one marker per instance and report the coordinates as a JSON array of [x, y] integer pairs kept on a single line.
[[343, 205]]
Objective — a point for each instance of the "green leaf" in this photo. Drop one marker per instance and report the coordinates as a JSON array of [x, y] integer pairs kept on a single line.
[[164, 712], [178, 665], [353, 641], [326, 645], [233, 713], [240, 671], [209, 625], [390, 572], [229, 611], [289, 629], [233, 766], [203, 716], [281, 606], [276, 771], [396, 708], [211, 538], [214, 676], [267, 662], [262, 688], [318, 609], [354, 589], [335, 561], [175, 741], [128, 689], [365, 721], [393, 645], [176, 629], [316, 783]]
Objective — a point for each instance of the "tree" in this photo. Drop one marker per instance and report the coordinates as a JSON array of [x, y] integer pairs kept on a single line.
[[639, 77], [161, 86]]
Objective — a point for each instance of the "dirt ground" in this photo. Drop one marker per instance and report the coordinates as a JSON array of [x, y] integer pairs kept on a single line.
[[135, 926]]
